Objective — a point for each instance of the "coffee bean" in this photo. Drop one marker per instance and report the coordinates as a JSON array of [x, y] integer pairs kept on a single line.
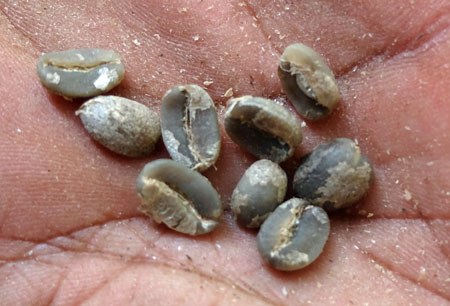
[[335, 175], [179, 197], [294, 235], [80, 73], [190, 127], [122, 125], [258, 193], [262, 127], [308, 82]]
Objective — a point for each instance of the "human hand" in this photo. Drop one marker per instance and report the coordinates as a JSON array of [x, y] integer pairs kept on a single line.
[[70, 232]]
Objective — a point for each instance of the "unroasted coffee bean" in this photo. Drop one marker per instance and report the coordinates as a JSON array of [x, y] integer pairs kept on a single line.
[[294, 235], [80, 73], [122, 125], [335, 175], [258, 193], [308, 82], [262, 127], [190, 127], [179, 197]]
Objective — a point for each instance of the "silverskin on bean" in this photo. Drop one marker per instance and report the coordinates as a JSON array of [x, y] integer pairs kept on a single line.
[[261, 189], [124, 126], [294, 235], [308, 82], [179, 197], [80, 73], [190, 127], [262, 127], [335, 175]]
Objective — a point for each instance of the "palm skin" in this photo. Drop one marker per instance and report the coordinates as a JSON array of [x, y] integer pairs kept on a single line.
[[69, 229]]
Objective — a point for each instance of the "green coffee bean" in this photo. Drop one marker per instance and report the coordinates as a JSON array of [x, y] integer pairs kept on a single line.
[[294, 235], [335, 175], [190, 127], [258, 193], [262, 127], [308, 82], [179, 197], [80, 73], [122, 125]]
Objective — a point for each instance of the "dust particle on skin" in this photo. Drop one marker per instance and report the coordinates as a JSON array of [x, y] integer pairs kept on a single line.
[[229, 93], [407, 195]]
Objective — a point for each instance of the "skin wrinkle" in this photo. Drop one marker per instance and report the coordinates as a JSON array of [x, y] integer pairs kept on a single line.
[[103, 284], [389, 51], [137, 260], [142, 259], [386, 266], [360, 217]]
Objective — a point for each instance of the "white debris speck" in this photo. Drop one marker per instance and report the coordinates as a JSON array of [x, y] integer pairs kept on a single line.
[[183, 10], [379, 268], [182, 70], [241, 4], [229, 93], [19, 131], [218, 246], [80, 57], [356, 141], [284, 291], [318, 38], [407, 128], [388, 152], [431, 163], [53, 78], [422, 274], [105, 77], [397, 181], [407, 195], [136, 42], [157, 36], [154, 257], [369, 215], [303, 124], [195, 37], [179, 248], [207, 83], [356, 247]]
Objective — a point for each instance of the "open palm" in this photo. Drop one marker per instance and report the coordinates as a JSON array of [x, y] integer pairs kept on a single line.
[[69, 229]]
